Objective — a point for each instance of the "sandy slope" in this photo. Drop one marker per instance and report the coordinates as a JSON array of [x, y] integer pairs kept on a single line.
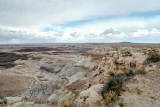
[[143, 91], [14, 84]]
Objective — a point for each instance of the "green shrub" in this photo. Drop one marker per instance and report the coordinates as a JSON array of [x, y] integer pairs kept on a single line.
[[140, 71], [3, 100], [113, 87], [1, 96], [129, 74], [127, 53], [152, 51], [112, 73], [110, 97], [152, 59], [116, 82], [121, 104]]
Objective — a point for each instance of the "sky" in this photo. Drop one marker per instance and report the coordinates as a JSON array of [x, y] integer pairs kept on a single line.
[[79, 21]]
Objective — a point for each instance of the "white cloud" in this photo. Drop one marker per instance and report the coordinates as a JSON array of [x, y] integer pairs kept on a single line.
[[113, 33], [155, 32], [15, 32], [39, 13], [26, 19], [150, 33], [70, 35], [15, 41], [140, 33]]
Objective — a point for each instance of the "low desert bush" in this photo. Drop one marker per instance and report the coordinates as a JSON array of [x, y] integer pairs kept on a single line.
[[116, 82], [113, 73], [3, 100], [127, 53], [152, 51], [110, 97], [152, 59], [41, 101], [1, 96], [121, 104], [129, 74], [140, 71]]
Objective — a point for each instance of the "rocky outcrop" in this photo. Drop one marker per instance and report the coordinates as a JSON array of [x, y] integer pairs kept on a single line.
[[62, 72], [90, 96], [44, 90], [54, 67], [7, 59]]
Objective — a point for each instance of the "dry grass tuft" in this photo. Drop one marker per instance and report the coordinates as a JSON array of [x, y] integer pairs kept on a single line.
[[110, 97], [140, 71]]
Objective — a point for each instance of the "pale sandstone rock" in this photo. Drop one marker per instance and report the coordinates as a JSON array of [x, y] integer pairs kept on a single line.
[[149, 69], [120, 60], [90, 95], [86, 62]]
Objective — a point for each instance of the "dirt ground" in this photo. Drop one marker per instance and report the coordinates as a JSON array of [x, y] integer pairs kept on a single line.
[[14, 84], [143, 91]]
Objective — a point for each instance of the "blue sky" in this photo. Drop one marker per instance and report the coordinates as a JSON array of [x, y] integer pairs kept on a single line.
[[139, 15], [77, 21]]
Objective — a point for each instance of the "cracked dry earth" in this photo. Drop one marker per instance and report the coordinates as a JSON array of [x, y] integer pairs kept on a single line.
[[143, 91]]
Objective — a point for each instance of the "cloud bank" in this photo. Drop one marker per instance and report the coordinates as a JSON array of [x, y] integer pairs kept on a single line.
[[24, 21]]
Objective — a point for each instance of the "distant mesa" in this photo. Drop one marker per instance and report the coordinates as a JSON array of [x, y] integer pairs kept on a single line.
[[125, 42]]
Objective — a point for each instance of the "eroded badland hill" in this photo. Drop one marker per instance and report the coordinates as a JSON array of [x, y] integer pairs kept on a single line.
[[80, 75]]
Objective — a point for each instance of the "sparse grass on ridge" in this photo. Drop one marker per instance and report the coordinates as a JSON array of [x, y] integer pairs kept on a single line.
[[140, 71], [152, 59], [116, 82], [113, 87]]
